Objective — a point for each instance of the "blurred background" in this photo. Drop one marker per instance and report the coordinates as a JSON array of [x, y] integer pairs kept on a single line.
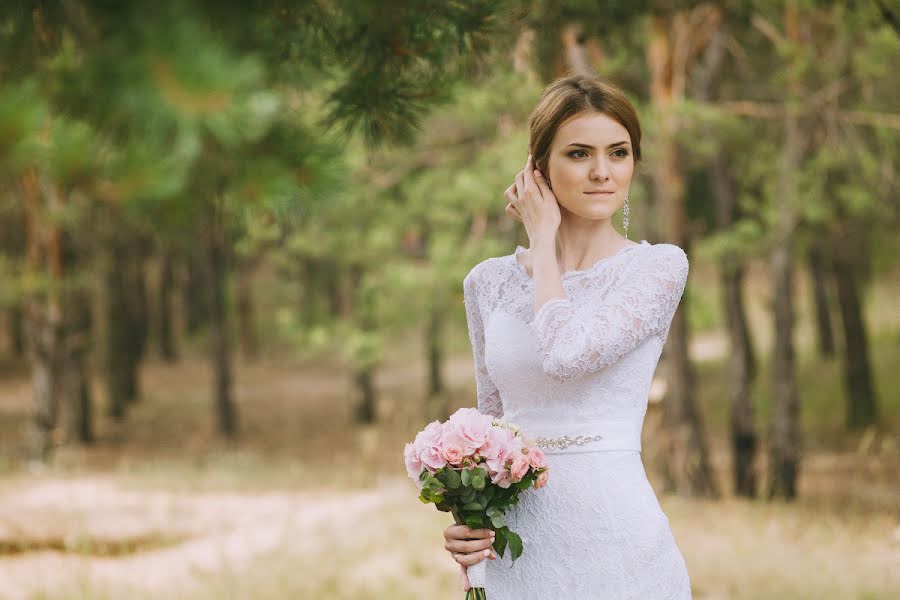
[[232, 243]]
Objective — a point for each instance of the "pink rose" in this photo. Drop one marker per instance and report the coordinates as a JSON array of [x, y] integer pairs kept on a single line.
[[413, 462], [541, 480], [433, 459], [496, 442], [519, 467], [502, 478], [507, 447], [453, 454], [428, 445], [455, 444], [536, 457], [471, 428]]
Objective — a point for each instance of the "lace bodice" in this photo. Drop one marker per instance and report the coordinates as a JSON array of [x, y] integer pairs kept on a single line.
[[592, 354]]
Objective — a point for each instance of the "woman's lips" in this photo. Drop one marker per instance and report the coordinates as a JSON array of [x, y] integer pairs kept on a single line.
[[598, 193]]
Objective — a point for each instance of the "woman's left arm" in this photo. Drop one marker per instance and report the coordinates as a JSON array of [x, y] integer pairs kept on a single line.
[[574, 341]]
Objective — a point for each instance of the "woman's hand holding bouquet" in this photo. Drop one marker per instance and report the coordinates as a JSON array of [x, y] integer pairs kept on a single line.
[[474, 467]]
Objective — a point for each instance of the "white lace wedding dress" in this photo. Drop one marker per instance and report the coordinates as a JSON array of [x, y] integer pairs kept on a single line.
[[581, 365]]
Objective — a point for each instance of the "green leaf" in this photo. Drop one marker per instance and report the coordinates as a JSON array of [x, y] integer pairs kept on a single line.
[[452, 479], [515, 544], [500, 540], [466, 477], [474, 522], [498, 521], [472, 506], [478, 482]]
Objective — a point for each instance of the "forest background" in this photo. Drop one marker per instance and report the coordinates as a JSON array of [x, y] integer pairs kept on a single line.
[[232, 244]]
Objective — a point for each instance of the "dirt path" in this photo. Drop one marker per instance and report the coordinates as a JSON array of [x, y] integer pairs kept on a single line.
[[75, 528]]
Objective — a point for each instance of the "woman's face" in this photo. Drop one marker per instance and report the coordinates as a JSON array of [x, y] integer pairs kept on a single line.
[[590, 165]]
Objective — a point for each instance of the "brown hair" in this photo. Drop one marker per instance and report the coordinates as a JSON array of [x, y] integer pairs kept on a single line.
[[573, 94]]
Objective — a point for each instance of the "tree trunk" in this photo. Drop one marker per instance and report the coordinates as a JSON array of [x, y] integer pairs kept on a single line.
[[687, 470], [310, 302], [364, 364], [220, 351], [741, 362], [195, 294], [138, 313], [16, 331], [331, 275], [44, 322], [245, 310], [75, 393], [43, 330], [785, 450], [785, 456], [435, 353], [818, 273], [122, 343], [436, 403], [365, 401], [165, 287], [861, 401]]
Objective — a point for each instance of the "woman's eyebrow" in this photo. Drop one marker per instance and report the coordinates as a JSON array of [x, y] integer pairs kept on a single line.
[[589, 147]]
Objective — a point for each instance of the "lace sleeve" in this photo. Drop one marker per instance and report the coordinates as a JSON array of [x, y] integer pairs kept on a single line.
[[574, 341], [488, 396]]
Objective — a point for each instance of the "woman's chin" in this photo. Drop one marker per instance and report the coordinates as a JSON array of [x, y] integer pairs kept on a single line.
[[594, 213]]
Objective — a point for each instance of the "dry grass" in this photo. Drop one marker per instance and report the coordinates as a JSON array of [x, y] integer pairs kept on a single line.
[[382, 543]]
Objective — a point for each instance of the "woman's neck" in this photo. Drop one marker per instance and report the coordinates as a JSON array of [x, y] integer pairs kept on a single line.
[[581, 242]]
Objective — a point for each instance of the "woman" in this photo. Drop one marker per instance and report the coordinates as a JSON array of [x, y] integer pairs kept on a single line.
[[566, 335]]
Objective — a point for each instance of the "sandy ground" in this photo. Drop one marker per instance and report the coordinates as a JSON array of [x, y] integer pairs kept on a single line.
[[188, 534]]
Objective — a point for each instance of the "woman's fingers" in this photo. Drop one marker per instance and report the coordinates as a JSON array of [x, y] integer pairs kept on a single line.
[[463, 532], [528, 176], [542, 183], [467, 546], [464, 578], [472, 558], [510, 194], [511, 211]]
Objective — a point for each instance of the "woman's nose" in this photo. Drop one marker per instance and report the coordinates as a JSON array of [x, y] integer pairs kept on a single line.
[[600, 171]]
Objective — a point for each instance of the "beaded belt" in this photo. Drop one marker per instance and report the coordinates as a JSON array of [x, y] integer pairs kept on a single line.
[[589, 435], [564, 441]]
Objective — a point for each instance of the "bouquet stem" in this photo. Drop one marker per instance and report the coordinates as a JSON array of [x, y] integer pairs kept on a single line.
[[476, 572]]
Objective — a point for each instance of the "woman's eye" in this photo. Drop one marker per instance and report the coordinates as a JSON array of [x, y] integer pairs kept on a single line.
[[621, 153], [577, 152]]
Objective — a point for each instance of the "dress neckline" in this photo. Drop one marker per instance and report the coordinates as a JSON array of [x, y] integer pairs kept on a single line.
[[524, 271]]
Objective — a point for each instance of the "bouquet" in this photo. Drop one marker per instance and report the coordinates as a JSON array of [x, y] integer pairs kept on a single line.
[[475, 466]]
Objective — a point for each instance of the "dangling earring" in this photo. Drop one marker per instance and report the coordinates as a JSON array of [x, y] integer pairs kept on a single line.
[[549, 185], [625, 215]]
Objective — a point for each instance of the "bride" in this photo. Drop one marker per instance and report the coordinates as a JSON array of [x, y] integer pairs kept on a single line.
[[566, 336]]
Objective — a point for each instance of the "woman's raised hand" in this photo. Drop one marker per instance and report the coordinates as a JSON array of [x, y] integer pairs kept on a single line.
[[532, 202], [467, 547]]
